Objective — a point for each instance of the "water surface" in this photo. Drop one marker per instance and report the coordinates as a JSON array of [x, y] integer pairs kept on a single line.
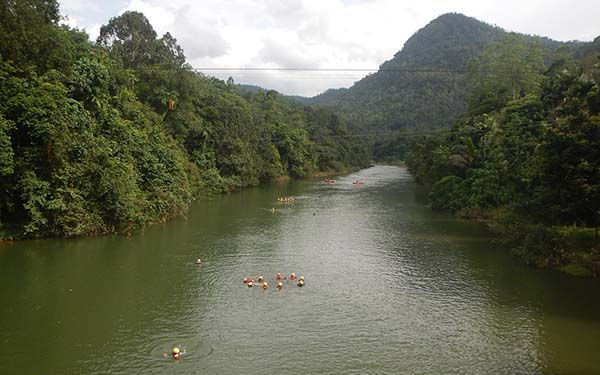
[[391, 288]]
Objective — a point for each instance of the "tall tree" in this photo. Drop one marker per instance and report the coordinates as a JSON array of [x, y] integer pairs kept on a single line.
[[506, 70], [30, 36], [129, 38], [571, 147]]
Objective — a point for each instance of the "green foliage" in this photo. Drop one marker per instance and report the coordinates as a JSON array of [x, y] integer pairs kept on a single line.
[[506, 70], [7, 162], [90, 145], [426, 85], [129, 38], [391, 149], [445, 193], [570, 168], [576, 270], [535, 153], [87, 81], [30, 36]]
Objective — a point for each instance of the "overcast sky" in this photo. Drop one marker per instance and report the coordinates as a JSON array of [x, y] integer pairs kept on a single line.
[[321, 33]]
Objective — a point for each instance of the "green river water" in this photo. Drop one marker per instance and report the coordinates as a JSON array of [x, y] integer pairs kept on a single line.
[[391, 288]]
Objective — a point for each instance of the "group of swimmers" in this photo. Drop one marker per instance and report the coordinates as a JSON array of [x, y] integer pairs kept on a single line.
[[285, 199], [265, 285]]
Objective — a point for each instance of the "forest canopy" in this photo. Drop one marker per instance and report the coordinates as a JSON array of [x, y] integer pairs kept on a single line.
[[527, 151], [109, 136]]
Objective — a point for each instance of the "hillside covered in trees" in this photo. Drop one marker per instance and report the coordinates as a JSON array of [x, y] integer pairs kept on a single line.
[[424, 86], [526, 155], [109, 136]]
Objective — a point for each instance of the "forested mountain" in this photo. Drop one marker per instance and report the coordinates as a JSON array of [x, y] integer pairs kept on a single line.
[[424, 85], [526, 154], [105, 137], [251, 88]]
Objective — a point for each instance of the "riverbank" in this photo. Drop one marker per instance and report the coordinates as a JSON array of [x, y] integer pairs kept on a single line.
[[206, 192], [392, 162], [335, 173], [569, 249]]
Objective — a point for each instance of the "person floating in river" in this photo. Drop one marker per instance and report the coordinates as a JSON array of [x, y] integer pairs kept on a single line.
[[198, 261], [293, 276], [279, 285], [176, 353], [279, 276]]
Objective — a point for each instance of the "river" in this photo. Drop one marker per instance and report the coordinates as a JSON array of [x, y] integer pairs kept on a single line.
[[391, 288]]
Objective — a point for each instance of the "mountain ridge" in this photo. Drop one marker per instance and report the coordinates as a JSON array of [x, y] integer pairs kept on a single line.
[[393, 99]]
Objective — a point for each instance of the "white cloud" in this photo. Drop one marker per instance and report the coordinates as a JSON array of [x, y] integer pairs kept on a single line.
[[322, 33], [69, 21], [160, 18], [93, 31]]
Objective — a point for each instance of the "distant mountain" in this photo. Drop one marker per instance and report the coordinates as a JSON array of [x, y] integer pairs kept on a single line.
[[588, 53], [424, 84], [300, 99], [250, 88], [253, 89], [328, 95]]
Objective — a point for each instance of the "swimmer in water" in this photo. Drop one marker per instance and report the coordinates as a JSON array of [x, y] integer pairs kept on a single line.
[[279, 276], [176, 353], [293, 276]]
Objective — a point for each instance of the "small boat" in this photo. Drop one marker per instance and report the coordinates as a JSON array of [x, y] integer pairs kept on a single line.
[[329, 181]]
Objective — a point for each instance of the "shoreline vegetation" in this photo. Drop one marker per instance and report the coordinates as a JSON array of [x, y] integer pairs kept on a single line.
[[111, 136], [7, 238], [525, 157], [569, 249]]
